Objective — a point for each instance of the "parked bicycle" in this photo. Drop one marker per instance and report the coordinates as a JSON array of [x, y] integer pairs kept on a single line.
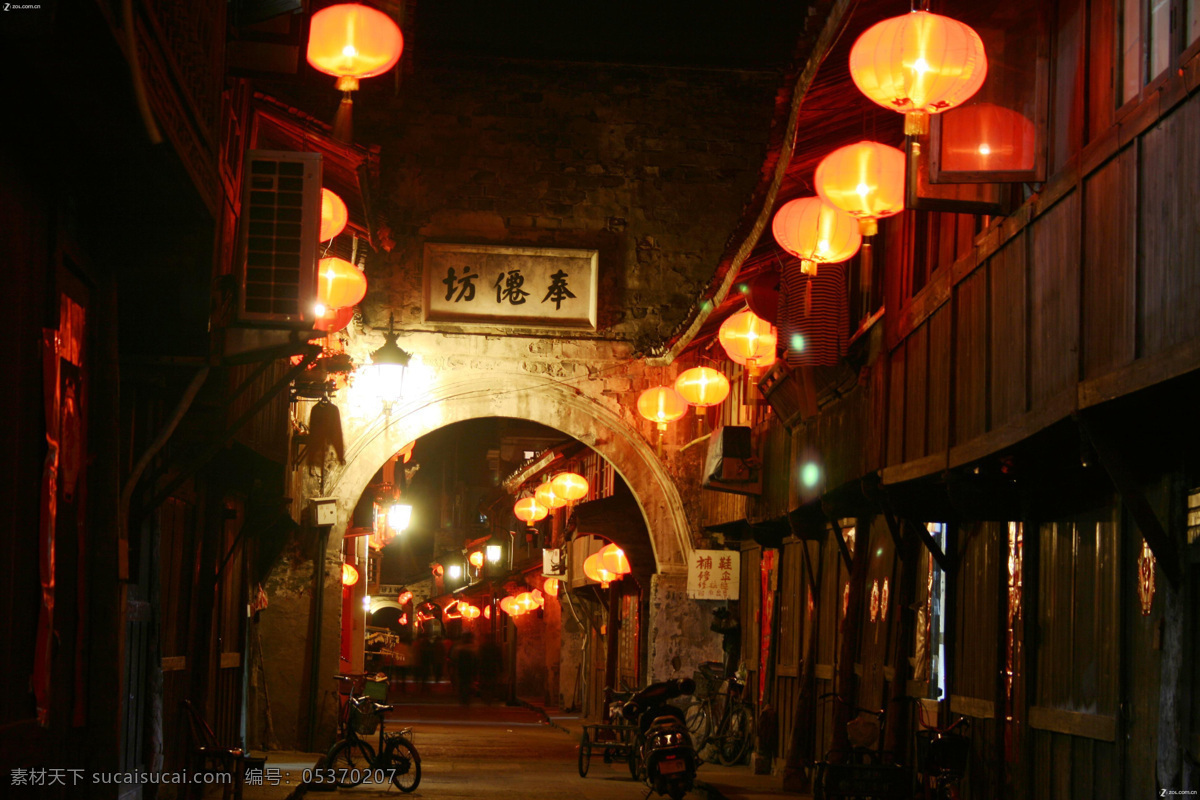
[[352, 760], [942, 755], [864, 770], [719, 718]]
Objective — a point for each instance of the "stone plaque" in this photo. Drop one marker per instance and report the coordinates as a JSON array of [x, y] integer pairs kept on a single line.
[[714, 575], [539, 287]]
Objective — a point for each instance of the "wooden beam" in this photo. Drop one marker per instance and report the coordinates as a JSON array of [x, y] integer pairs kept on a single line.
[[1127, 485], [931, 545], [1074, 723], [843, 548]]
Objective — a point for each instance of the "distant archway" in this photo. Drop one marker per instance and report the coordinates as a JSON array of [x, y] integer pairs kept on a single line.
[[535, 399]]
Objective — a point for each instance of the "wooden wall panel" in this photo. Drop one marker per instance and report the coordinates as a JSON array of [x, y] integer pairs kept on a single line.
[[916, 393], [1008, 332], [940, 333], [1054, 359], [895, 405], [873, 645], [977, 591], [970, 357], [1067, 91], [1109, 271], [1102, 66], [1170, 270]]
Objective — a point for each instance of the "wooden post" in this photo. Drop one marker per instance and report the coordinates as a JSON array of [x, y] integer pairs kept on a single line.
[[847, 682]]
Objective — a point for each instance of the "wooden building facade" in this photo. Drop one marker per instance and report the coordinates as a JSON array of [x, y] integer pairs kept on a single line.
[[1003, 518]]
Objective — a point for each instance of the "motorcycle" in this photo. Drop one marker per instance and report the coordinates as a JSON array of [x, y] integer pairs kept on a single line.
[[662, 756]]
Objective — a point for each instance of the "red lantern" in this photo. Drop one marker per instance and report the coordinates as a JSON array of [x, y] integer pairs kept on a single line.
[[612, 558], [529, 510], [339, 284], [570, 486], [661, 405], [985, 136], [748, 340], [918, 64], [762, 295], [550, 586], [865, 179], [404, 598], [546, 495], [815, 233], [593, 567], [352, 41], [702, 387], [334, 319], [333, 215], [349, 575]]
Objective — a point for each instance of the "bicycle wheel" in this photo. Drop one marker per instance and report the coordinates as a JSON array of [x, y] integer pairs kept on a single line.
[[735, 738], [699, 725], [403, 758], [585, 754], [635, 757], [350, 760]]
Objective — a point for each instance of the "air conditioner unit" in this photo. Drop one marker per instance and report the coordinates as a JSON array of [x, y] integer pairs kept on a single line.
[[278, 239], [731, 464]]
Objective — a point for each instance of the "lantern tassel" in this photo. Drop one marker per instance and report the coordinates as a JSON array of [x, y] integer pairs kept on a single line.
[[343, 121]]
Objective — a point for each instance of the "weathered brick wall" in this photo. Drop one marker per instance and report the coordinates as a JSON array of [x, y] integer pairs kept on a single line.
[[650, 166]]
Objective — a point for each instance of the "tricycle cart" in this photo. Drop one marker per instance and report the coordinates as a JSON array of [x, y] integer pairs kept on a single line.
[[616, 742]]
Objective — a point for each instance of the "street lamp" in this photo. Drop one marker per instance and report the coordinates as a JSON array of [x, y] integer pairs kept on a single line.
[[387, 368]]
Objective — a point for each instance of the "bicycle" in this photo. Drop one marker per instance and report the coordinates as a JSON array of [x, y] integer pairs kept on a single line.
[[942, 755], [733, 729], [352, 760], [865, 770]]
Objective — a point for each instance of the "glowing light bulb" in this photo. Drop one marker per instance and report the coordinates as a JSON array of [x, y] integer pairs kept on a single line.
[[349, 51], [320, 309], [985, 150], [862, 189], [921, 66]]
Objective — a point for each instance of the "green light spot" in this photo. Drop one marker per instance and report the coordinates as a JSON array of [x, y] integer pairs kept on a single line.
[[810, 474], [797, 343], [743, 288]]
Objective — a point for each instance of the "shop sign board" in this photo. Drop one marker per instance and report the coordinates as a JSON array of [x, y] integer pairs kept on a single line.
[[714, 575]]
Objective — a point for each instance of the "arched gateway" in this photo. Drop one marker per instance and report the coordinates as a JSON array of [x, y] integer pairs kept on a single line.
[[532, 398]]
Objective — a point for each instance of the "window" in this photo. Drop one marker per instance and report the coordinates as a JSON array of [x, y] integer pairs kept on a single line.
[[1193, 20], [1146, 41]]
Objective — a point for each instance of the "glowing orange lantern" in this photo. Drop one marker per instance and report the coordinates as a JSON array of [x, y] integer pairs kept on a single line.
[[349, 575], [594, 569], [661, 405], [352, 41], [333, 215], [487, 611], [918, 64], [985, 136], [702, 387], [865, 179], [815, 233], [546, 495], [570, 486], [333, 319], [550, 586], [529, 510], [526, 601], [612, 558], [404, 598], [339, 284], [748, 340], [476, 559]]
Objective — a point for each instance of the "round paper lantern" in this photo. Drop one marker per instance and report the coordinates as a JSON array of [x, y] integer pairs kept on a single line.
[[815, 233], [404, 598], [339, 284], [550, 586], [334, 319], [918, 64], [612, 558], [985, 136], [865, 179], [352, 41], [570, 486], [529, 510], [539, 599], [349, 575], [762, 295], [487, 611], [333, 215], [476, 559], [526, 601], [661, 405], [507, 605], [702, 387], [594, 569], [748, 340], [546, 495]]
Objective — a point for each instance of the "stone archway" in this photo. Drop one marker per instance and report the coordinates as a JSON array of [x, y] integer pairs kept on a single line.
[[536, 399]]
